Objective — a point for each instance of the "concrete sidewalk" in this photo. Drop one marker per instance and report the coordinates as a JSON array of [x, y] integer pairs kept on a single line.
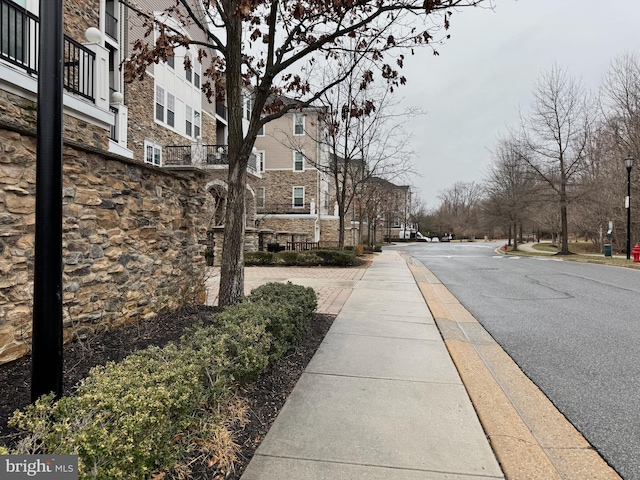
[[381, 399]]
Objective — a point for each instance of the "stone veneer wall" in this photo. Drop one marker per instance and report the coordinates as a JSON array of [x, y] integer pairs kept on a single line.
[[278, 185], [78, 16], [133, 240], [21, 113]]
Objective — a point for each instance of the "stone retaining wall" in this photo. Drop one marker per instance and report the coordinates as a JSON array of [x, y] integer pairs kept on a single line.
[[133, 240]]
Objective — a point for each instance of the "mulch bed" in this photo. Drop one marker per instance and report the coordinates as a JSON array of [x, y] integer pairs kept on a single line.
[[265, 396]]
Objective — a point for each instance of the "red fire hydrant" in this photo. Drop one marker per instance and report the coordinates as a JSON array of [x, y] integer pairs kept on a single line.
[[635, 251], [505, 247]]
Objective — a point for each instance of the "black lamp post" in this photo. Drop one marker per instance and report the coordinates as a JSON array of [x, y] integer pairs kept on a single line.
[[628, 162]]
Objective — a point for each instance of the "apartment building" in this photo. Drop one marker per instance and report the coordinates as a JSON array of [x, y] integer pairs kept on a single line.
[[294, 196], [133, 229]]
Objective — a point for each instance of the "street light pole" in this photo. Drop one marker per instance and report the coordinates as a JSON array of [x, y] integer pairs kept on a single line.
[[628, 162]]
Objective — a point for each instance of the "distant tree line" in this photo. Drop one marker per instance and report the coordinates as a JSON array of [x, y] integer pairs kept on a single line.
[[560, 172]]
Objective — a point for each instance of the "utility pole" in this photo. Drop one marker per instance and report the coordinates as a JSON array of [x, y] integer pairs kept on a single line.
[[46, 358]]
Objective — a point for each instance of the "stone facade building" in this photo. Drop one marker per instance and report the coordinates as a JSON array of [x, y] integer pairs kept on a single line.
[[144, 177], [294, 200]]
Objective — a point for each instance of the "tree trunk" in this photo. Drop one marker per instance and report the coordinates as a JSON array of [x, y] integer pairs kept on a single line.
[[515, 235], [232, 264], [564, 250]]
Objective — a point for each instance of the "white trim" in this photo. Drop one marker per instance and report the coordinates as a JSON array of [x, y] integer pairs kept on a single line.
[[293, 196], [293, 167], [261, 154], [26, 86], [295, 117], [156, 147]]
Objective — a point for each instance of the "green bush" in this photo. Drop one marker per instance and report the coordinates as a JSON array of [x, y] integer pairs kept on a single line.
[[143, 414], [337, 258], [307, 259], [123, 417], [288, 257], [293, 306], [259, 258]]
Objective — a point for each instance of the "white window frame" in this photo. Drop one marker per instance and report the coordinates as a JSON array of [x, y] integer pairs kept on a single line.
[[298, 121], [197, 124], [188, 74], [261, 154], [156, 153], [160, 93], [248, 106], [261, 131], [188, 120], [171, 110], [261, 195], [295, 161], [293, 196]]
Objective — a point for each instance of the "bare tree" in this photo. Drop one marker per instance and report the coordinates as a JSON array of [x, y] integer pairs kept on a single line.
[[459, 207], [510, 190], [277, 48], [556, 136]]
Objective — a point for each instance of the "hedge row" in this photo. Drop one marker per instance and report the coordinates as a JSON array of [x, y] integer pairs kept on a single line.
[[328, 258], [129, 419]]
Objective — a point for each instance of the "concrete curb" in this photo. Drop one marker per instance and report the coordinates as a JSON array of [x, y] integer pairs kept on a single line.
[[529, 436]]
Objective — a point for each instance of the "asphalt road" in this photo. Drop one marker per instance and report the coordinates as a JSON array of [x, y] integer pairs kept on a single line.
[[573, 328]]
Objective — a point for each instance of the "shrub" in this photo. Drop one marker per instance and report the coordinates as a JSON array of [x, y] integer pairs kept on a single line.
[[307, 259], [295, 308], [123, 417], [258, 258], [288, 257], [336, 258], [359, 249], [143, 414]]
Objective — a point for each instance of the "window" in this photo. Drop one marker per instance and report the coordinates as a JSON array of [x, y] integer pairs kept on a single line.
[[260, 161], [153, 153], [261, 131], [260, 197], [248, 106], [298, 196], [159, 103], [188, 120], [196, 80], [171, 107], [171, 61], [196, 124], [188, 67], [298, 124], [298, 162]]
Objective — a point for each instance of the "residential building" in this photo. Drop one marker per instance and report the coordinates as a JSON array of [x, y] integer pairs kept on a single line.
[[133, 231], [294, 200], [384, 211]]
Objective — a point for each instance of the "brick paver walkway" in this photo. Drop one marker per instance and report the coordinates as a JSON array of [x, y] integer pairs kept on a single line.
[[332, 285]]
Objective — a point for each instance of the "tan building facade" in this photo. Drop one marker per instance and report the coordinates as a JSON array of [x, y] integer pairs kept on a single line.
[[293, 195]]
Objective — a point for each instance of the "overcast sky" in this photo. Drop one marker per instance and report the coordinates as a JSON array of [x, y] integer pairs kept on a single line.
[[485, 74]]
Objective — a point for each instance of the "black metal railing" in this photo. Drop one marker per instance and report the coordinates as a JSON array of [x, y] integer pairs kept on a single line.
[[283, 209], [111, 25], [18, 33], [177, 155], [184, 155], [19, 40], [78, 68]]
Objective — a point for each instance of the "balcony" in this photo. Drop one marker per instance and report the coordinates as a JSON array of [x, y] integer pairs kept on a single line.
[[19, 41], [200, 156], [284, 209]]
